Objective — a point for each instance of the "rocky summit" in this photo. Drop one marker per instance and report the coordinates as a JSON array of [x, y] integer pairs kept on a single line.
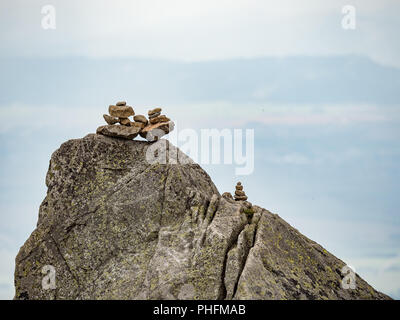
[[114, 226]]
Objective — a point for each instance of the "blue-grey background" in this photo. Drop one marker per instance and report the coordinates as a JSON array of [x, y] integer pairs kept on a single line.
[[323, 101]]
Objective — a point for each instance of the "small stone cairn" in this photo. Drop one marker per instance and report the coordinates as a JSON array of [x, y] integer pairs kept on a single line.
[[158, 125], [121, 126], [239, 193]]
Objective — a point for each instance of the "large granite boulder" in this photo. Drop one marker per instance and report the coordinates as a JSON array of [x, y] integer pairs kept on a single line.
[[116, 225]]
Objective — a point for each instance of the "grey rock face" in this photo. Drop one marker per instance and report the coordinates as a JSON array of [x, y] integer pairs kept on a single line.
[[161, 118], [115, 226]]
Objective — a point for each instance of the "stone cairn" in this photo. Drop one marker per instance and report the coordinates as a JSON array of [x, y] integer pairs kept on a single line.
[[239, 193], [121, 126]]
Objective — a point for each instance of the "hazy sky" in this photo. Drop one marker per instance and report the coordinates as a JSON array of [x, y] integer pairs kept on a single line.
[[199, 30], [323, 101]]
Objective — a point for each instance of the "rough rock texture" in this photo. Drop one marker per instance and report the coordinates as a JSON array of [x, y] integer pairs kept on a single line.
[[140, 118], [119, 131], [117, 227], [161, 118], [154, 111], [154, 132], [154, 115], [121, 111], [109, 119]]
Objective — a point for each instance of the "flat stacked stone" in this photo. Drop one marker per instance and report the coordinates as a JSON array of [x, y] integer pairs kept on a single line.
[[154, 132], [110, 120], [140, 120], [239, 193], [154, 113], [119, 131], [119, 125], [158, 119], [121, 111], [158, 126]]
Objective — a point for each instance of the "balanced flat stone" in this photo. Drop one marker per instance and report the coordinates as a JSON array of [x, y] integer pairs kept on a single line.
[[121, 111], [156, 110], [241, 198], [154, 115], [154, 132], [159, 119], [140, 118], [121, 103], [125, 121], [109, 119], [240, 193], [118, 131]]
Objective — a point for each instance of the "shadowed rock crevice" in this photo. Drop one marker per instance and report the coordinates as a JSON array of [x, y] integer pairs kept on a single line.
[[115, 226], [236, 257], [252, 235]]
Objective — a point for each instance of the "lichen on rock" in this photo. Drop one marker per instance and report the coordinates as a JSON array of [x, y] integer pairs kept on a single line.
[[115, 226]]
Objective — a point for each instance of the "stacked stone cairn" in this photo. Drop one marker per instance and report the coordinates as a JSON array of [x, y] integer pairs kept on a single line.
[[158, 125], [121, 126], [239, 193]]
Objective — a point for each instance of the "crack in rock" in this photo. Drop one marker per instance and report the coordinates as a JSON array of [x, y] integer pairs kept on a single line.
[[134, 230]]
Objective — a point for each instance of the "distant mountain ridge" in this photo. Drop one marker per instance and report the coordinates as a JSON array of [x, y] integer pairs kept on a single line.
[[335, 80]]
